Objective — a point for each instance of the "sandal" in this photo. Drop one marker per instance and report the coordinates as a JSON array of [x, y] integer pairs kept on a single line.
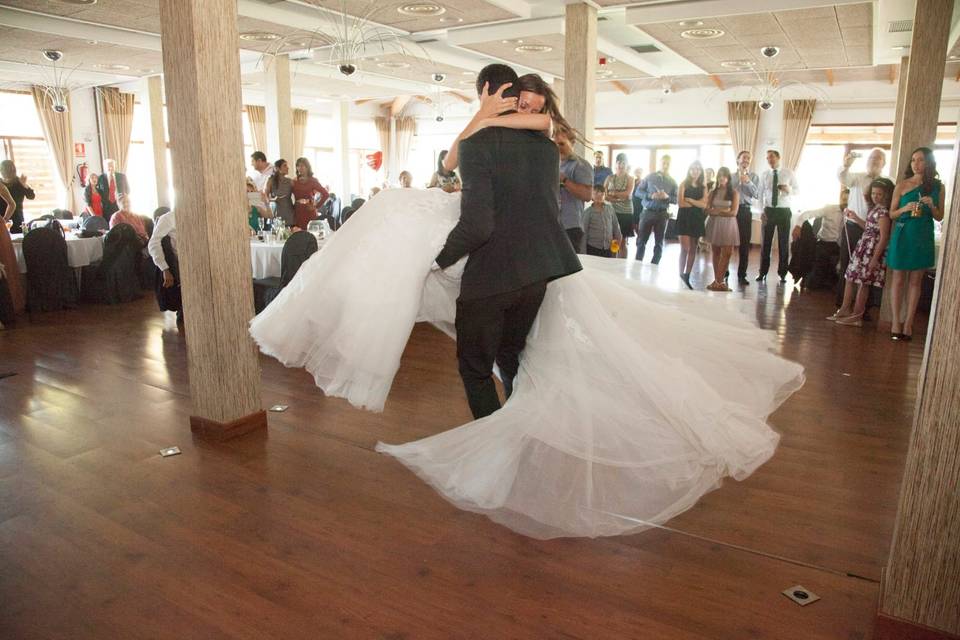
[[852, 321]]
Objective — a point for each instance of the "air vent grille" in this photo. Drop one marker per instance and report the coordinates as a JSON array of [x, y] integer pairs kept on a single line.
[[646, 48], [900, 26]]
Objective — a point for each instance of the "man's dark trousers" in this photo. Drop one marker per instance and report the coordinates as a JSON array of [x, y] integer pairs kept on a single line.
[[778, 220]]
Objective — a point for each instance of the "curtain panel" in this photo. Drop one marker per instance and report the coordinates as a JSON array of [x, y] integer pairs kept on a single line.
[[797, 116], [744, 121], [383, 133], [58, 131], [257, 117], [300, 117], [406, 129], [116, 111]]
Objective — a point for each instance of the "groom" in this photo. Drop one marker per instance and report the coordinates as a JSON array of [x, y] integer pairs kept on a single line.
[[509, 225]]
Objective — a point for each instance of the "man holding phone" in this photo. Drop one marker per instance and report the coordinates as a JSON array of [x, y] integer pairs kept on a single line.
[[856, 209], [778, 187]]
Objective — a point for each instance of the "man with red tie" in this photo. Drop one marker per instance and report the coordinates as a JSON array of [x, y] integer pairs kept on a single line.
[[113, 185]]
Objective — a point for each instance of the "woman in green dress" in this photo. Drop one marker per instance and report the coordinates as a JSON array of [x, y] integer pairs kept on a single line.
[[919, 201]]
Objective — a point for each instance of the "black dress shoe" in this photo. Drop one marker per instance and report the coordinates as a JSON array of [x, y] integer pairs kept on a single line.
[[761, 278], [744, 282], [783, 279]]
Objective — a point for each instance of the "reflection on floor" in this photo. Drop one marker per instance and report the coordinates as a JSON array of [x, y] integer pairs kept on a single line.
[[305, 532]]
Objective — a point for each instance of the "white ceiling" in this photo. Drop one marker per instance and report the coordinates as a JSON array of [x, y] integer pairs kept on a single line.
[[467, 34]]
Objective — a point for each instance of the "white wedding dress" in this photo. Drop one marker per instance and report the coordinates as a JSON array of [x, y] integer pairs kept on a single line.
[[630, 404]]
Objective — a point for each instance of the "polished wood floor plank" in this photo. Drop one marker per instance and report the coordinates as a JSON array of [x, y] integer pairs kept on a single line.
[[305, 532]]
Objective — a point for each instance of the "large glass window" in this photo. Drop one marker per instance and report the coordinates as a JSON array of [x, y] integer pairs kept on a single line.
[[21, 140]]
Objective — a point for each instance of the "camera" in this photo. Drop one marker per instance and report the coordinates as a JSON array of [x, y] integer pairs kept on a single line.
[[439, 118], [770, 52], [52, 55], [60, 108], [348, 69], [439, 77], [667, 91], [766, 105]]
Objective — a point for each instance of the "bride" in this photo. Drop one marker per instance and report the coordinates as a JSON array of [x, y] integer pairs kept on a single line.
[[630, 403]]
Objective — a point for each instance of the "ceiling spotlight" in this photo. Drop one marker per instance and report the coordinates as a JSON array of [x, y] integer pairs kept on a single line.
[[766, 105], [533, 48], [439, 77], [770, 52], [421, 9], [347, 69], [701, 34], [52, 55], [259, 36]]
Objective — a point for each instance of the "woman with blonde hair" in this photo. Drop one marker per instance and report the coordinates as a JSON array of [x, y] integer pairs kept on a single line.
[[306, 188]]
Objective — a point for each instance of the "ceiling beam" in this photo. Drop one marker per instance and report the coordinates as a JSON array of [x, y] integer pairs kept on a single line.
[[70, 28], [519, 8], [893, 73], [622, 88], [627, 56], [829, 74], [398, 104], [717, 81]]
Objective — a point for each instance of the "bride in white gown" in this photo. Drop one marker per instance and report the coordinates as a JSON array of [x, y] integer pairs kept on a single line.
[[630, 403]]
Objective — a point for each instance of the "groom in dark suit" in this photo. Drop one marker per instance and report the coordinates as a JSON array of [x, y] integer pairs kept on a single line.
[[510, 227]]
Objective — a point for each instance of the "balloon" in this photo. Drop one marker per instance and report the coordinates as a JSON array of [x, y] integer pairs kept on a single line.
[[375, 160]]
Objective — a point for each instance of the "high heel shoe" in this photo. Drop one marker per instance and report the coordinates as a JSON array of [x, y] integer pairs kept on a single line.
[[686, 280]]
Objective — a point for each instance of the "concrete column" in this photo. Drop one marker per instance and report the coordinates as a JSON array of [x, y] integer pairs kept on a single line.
[[279, 111], [158, 139], [202, 72], [341, 119], [580, 69]]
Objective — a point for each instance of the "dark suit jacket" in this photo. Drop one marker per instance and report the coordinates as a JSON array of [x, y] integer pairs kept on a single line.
[[103, 185], [509, 214]]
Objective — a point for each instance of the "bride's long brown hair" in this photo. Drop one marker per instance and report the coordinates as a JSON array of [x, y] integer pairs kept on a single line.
[[551, 106]]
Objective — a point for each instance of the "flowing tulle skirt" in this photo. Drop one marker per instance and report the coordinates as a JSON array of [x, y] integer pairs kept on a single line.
[[630, 404]]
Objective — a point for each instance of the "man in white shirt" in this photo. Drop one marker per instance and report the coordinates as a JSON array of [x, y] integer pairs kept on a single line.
[[778, 187], [859, 185], [824, 272], [262, 170], [168, 293]]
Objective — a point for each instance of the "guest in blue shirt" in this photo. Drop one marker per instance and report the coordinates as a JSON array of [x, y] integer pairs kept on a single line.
[[657, 192], [600, 172]]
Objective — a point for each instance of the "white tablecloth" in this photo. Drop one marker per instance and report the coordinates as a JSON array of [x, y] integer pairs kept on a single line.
[[265, 257], [80, 251]]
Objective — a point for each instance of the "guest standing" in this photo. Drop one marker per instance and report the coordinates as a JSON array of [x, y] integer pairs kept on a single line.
[[92, 195], [919, 201], [658, 191], [858, 203], [576, 178], [279, 190], [722, 232], [600, 226], [710, 179], [619, 188], [747, 185], [443, 179], [19, 189], [112, 186], [8, 257], [166, 228], [600, 171], [691, 218], [867, 267], [306, 191], [262, 170], [778, 187]]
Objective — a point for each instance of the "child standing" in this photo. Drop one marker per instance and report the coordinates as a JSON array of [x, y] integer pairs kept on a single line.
[[600, 226]]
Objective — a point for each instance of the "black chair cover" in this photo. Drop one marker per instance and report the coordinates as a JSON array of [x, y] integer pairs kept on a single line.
[[51, 284], [168, 299], [296, 250], [802, 253]]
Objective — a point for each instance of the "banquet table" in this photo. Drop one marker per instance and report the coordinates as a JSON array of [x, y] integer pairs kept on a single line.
[[266, 256], [80, 251]]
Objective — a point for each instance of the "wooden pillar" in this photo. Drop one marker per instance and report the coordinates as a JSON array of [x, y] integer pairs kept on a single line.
[[580, 69], [342, 122], [202, 72], [158, 139], [898, 119], [279, 111], [393, 168], [558, 89]]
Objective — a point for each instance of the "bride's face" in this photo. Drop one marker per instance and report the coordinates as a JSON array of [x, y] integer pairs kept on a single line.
[[530, 102]]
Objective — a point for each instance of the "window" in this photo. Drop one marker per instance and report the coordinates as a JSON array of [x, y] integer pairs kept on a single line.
[[22, 140]]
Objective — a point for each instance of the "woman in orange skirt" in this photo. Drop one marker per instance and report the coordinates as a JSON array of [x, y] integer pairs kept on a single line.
[[8, 258]]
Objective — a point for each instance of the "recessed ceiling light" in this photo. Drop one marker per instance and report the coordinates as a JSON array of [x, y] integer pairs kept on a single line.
[[113, 67], [954, 57], [147, 71], [533, 48], [504, 42], [259, 36], [691, 23], [469, 73], [93, 42], [421, 9], [903, 47], [701, 34], [393, 65], [87, 2], [451, 19], [738, 64]]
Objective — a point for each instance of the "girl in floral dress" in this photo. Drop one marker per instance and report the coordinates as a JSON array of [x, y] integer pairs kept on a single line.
[[867, 262]]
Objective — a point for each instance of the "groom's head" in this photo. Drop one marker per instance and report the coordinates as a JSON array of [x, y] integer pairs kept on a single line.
[[495, 76]]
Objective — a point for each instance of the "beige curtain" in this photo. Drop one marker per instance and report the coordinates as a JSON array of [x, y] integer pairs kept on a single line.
[[797, 116], [406, 129], [59, 134], [383, 132], [116, 111], [299, 131], [257, 117], [744, 121]]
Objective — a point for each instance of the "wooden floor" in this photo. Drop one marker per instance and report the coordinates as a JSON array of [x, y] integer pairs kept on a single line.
[[305, 532]]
